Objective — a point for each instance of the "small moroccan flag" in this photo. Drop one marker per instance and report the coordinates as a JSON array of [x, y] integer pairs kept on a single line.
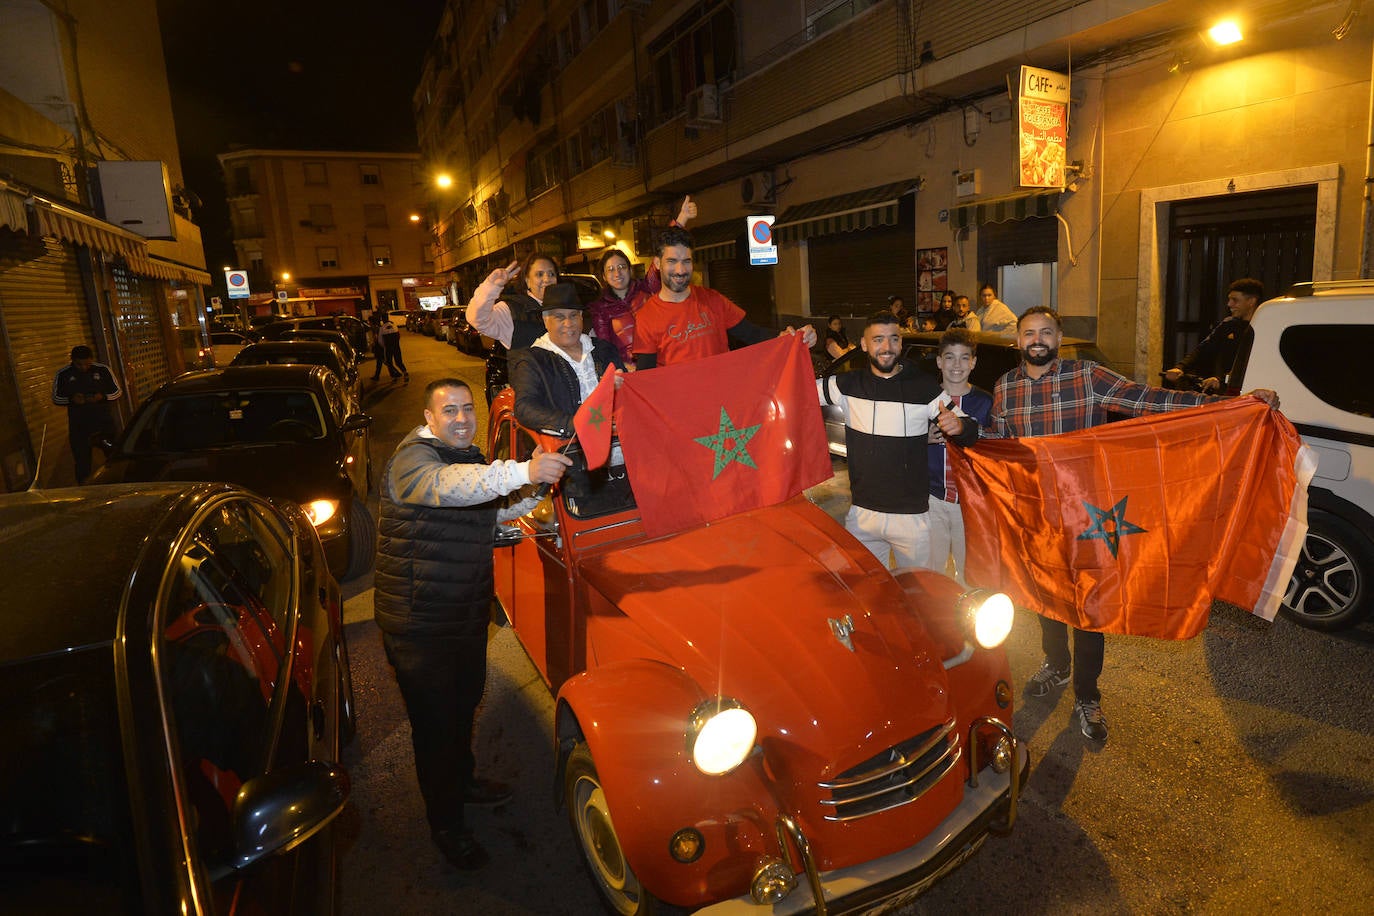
[[593, 420], [713, 437]]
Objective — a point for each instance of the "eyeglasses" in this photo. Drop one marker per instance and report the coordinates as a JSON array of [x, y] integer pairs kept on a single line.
[[617, 268]]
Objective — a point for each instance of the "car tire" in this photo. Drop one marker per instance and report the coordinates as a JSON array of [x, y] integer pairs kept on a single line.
[[590, 819], [1331, 583], [362, 540]]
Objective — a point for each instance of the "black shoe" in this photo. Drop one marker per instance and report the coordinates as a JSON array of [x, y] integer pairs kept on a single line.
[[461, 848], [1048, 678], [487, 792], [1090, 719]]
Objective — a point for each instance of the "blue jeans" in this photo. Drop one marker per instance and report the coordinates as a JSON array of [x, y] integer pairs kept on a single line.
[[441, 681]]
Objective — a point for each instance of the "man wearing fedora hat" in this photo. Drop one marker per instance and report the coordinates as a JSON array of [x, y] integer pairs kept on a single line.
[[555, 374]]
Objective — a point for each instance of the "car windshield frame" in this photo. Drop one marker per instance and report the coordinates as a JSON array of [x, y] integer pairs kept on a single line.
[[219, 419]]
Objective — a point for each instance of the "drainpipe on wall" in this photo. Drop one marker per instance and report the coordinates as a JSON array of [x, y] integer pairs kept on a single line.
[[1367, 223]]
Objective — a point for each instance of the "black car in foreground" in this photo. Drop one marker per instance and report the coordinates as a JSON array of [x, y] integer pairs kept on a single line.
[[303, 352], [176, 695], [288, 432]]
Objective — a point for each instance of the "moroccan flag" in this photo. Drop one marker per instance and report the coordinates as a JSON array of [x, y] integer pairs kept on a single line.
[[716, 436], [593, 420], [1135, 527]]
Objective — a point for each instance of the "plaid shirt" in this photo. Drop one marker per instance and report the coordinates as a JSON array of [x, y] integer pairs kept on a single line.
[[1075, 394]]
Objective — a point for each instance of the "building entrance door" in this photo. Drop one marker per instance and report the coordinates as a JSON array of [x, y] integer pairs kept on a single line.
[[1267, 235]]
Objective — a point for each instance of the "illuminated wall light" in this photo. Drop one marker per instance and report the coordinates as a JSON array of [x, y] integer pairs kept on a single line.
[[1225, 33], [444, 180]]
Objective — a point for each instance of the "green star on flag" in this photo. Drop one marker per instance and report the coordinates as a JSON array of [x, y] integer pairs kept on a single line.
[[730, 443], [1116, 516], [596, 417]]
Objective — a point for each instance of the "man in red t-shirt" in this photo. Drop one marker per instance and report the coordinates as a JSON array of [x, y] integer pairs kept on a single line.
[[683, 322]]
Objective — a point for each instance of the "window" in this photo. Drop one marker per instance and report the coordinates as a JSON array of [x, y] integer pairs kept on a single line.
[[255, 263], [698, 50], [374, 216], [243, 180], [1321, 356], [370, 174], [381, 255], [833, 14], [322, 215], [315, 173], [327, 256]]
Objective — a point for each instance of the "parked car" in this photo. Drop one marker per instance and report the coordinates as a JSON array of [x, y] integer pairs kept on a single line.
[[288, 432], [226, 344], [353, 327], [996, 356], [177, 695], [399, 317], [755, 713], [443, 317], [306, 353], [1308, 346], [497, 372], [335, 337]]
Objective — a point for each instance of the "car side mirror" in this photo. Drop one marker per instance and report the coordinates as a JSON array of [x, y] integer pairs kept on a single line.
[[356, 422], [278, 811]]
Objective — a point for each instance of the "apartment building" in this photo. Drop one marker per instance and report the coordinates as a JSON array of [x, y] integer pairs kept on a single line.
[[321, 232], [885, 139], [97, 246]]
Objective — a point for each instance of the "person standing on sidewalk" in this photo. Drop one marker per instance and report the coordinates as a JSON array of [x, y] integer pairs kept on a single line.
[[86, 388], [390, 336], [440, 504]]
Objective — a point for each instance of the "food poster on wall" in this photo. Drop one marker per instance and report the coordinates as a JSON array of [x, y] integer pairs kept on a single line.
[[1044, 128], [932, 278]]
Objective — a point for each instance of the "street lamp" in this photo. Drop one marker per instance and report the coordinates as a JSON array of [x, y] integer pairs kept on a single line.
[[444, 180], [1226, 32]]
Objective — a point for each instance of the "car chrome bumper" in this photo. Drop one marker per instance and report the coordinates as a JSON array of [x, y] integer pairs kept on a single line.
[[895, 879]]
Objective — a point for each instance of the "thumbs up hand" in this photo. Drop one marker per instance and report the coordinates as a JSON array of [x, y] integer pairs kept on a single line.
[[950, 423]]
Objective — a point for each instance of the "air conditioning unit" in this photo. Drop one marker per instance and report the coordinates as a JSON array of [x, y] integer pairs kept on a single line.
[[968, 183], [703, 106], [758, 188]]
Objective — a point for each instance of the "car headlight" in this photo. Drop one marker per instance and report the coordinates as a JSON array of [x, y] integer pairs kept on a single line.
[[720, 735], [987, 616], [320, 511]]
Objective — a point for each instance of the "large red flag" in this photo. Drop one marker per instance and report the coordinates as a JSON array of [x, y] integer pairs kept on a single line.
[[593, 420], [716, 436], [1135, 527]]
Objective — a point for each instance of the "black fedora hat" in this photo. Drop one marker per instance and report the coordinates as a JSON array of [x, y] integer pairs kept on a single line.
[[562, 296]]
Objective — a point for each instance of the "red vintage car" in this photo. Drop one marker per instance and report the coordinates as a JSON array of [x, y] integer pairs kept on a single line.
[[755, 716]]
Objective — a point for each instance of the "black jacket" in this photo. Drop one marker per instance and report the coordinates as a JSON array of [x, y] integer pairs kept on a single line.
[[1212, 358], [546, 390], [434, 564], [527, 317]]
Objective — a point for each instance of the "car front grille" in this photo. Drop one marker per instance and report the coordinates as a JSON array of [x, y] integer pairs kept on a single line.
[[898, 776]]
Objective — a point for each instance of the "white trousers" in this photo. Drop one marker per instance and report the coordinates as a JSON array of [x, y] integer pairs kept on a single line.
[[904, 539], [946, 536]]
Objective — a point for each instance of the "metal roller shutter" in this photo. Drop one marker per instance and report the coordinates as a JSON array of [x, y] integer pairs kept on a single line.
[[140, 333], [853, 273], [751, 288], [43, 302]]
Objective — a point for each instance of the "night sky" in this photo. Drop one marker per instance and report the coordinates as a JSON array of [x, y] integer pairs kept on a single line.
[[288, 74]]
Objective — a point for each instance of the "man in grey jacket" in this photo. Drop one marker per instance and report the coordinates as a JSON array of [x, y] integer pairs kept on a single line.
[[440, 503]]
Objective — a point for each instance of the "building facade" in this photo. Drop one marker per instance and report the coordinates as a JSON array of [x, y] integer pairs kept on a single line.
[[321, 232], [885, 139], [97, 246]]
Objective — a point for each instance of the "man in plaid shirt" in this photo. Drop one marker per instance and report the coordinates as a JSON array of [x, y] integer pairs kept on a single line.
[[1045, 395]]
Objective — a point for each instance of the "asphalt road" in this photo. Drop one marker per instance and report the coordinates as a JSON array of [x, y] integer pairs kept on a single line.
[[1238, 778]]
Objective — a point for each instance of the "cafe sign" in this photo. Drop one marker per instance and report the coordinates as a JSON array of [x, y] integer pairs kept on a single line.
[[1044, 127]]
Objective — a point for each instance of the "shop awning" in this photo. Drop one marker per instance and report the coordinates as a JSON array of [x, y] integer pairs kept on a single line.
[[169, 270], [12, 212], [57, 221], [716, 241], [851, 212], [1004, 209]]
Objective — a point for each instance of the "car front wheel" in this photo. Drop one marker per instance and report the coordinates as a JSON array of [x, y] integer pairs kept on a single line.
[[1330, 585], [595, 833]]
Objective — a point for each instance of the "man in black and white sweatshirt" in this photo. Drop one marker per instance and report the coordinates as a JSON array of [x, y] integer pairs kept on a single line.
[[888, 408]]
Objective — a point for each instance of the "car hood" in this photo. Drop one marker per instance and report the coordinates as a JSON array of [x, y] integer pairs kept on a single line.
[[296, 471], [745, 606]]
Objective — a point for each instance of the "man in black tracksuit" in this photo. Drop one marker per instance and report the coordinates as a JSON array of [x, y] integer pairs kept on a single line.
[[888, 408], [432, 598], [86, 389]]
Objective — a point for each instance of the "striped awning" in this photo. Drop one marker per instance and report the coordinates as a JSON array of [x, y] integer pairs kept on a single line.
[[169, 270], [1005, 209], [12, 212], [59, 222], [843, 213], [716, 241]]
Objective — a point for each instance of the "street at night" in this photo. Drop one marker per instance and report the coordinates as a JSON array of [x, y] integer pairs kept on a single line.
[[1236, 778]]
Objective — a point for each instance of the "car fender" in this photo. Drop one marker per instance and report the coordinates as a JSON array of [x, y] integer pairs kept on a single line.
[[634, 717]]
